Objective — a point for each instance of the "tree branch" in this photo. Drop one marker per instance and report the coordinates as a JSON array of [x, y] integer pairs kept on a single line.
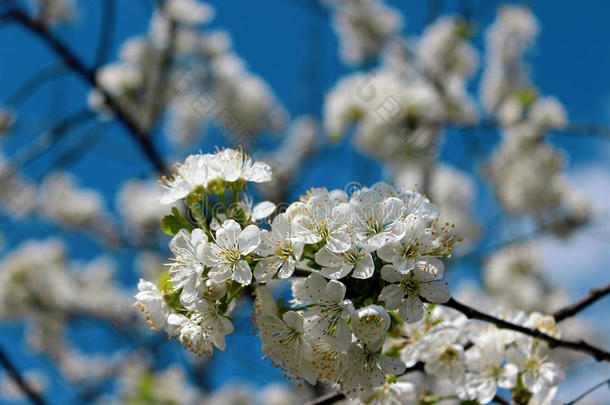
[[499, 400], [580, 346], [574, 308], [140, 135], [13, 372]]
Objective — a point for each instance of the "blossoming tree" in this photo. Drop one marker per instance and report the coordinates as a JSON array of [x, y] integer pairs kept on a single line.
[[369, 318]]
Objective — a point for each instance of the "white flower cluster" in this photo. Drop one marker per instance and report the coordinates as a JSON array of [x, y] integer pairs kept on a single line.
[[526, 169], [507, 40], [365, 272], [140, 209], [401, 106], [515, 274], [471, 360], [452, 191], [368, 254], [39, 284], [206, 82], [140, 383], [61, 200], [363, 27]]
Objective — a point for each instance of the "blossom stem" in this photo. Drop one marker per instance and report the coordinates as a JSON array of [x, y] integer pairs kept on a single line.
[[234, 294], [210, 210], [235, 195], [580, 346]]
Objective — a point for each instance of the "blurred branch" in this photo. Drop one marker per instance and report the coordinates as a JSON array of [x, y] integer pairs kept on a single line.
[[434, 8], [48, 139], [576, 129], [580, 346], [156, 96], [106, 33], [31, 84], [141, 136], [13, 372], [572, 309], [590, 390], [76, 151]]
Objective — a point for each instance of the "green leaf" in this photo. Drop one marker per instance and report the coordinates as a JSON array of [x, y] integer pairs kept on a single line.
[[172, 224]]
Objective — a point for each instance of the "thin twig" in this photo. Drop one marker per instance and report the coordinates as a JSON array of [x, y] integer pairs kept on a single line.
[[577, 129], [14, 373], [106, 32], [47, 140], [574, 308], [580, 346], [590, 390], [31, 84], [140, 135]]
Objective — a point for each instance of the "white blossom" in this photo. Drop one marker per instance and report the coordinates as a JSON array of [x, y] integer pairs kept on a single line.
[[226, 256]]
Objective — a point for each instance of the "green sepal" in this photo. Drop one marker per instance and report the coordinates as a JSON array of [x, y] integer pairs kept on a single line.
[[172, 224], [520, 394]]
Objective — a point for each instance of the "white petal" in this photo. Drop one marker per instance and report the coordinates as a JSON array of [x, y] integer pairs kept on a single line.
[[324, 257], [249, 239], [266, 269], [263, 210], [336, 273], [392, 295], [335, 291], [339, 242], [242, 273], [411, 309], [365, 267], [287, 269], [228, 233], [389, 273], [391, 365], [435, 291]]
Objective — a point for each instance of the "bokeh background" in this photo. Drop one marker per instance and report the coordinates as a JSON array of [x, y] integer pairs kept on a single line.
[[291, 45]]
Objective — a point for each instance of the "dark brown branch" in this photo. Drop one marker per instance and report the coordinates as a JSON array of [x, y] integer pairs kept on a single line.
[[141, 136], [13, 372], [574, 308], [499, 400], [580, 346]]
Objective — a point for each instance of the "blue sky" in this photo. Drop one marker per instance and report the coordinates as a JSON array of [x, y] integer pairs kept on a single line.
[[277, 39]]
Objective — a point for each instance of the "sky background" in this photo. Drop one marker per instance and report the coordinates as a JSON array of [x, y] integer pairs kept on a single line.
[[283, 40]]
